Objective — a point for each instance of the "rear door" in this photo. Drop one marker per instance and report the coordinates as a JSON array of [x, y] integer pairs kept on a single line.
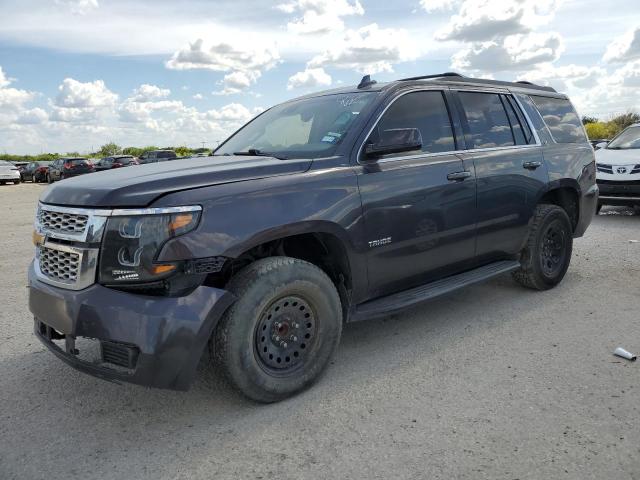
[[419, 206], [510, 171]]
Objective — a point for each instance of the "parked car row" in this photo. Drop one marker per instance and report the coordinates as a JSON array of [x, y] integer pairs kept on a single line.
[[62, 168]]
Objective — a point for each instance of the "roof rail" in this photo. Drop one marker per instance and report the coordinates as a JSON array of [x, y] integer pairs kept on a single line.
[[424, 77], [456, 77]]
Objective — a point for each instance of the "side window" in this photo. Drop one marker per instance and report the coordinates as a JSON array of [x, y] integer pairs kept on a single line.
[[489, 125], [526, 129], [561, 119], [425, 111], [516, 126]]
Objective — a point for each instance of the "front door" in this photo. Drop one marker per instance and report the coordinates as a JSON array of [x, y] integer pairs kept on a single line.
[[420, 206]]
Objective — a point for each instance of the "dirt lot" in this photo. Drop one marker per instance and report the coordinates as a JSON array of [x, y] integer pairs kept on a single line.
[[492, 382]]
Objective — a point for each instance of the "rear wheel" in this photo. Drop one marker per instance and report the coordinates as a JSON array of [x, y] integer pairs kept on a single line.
[[279, 336], [547, 254], [598, 208], [49, 179]]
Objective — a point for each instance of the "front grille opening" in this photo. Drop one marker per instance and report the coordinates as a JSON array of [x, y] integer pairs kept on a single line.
[[63, 222], [59, 265]]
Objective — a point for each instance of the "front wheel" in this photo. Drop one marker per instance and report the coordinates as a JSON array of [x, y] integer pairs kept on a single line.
[[546, 256], [279, 335], [49, 179]]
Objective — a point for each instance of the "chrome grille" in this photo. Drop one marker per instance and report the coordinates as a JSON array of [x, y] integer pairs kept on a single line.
[[62, 221], [59, 265], [604, 168]]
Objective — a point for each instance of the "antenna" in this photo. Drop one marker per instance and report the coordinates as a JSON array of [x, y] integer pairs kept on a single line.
[[366, 82]]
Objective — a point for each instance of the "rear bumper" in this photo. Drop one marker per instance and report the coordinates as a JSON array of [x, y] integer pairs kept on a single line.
[[165, 336], [619, 193]]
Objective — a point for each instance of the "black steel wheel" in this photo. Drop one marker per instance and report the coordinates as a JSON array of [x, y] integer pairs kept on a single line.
[[285, 334], [553, 249], [279, 335], [547, 253]]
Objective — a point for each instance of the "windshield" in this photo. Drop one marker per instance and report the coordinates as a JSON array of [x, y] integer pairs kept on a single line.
[[627, 140], [308, 128]]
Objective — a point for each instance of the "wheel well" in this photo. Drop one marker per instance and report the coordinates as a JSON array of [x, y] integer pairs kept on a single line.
[[567, 199], [326, 251]]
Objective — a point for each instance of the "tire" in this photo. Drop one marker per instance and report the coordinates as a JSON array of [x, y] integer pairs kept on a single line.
[[297, 306], [598, 208], [547, 253], [49, 179]]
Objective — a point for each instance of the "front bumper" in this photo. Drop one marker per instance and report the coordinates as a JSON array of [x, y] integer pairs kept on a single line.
[[614, 192], [168, 335]]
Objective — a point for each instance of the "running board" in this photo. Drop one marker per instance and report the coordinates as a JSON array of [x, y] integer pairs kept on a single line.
[[390, 304]]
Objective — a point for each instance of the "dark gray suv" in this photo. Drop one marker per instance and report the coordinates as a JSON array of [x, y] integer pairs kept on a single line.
[[340, 206]]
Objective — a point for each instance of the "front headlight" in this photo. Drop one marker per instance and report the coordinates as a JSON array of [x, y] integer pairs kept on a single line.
[[133, 239]]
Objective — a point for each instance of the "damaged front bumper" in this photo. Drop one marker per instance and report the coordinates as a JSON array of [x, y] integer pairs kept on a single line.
[[119, 336]]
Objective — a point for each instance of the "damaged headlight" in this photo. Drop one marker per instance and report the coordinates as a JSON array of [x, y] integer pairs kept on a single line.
[[133, 239]]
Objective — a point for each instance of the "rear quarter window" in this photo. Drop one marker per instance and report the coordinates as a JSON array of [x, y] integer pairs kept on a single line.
[[561, 119]]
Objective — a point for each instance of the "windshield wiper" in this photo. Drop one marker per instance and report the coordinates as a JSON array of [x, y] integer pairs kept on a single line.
[[254, 152]]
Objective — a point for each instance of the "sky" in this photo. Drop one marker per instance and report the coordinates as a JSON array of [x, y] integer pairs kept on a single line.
[[75, 74]]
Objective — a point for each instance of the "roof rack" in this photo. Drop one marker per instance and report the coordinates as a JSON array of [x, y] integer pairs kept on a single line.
[[438, 75], [456, 77]]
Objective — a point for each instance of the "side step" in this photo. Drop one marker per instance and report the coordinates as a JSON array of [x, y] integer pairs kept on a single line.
[[384, 306]]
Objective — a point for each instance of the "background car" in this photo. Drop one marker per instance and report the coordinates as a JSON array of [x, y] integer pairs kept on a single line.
[[68, 167], [618, 169], [35, 172], [155, 156], [9, 172], [117, 161]]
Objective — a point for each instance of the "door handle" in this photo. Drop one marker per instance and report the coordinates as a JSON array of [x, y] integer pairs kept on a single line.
[[531, 165], [458, 176]]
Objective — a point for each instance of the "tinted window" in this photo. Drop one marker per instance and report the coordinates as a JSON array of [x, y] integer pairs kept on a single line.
[[78, 161], [562, 120], [426, 111], [166, 155], [522, 122], [489, 126]]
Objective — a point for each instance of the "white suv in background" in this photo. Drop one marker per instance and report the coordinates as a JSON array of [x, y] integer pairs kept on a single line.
[[9, 172], [618, 168]]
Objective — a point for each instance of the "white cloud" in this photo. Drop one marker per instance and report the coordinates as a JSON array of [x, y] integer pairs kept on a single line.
[[198, 96], [514, 52], [565, 78], [224, 57], [311, 77], [82, 102], [78, 7], [4, 80], [437, 5], [624, 48], [320, 16], [148, 93], [75, 94], [236, 82], [483, 20], [14, 99], [370, 49], [32, 116]]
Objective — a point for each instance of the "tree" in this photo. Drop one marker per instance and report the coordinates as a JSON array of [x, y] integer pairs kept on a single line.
[[586, 119], [624, 120], [109, 149]]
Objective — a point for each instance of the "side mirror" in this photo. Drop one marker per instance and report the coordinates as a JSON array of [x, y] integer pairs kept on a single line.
[[395, 140], [600, 145]]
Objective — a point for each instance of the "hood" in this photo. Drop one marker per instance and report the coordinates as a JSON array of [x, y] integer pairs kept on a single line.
[[618, 157], [139, 185]]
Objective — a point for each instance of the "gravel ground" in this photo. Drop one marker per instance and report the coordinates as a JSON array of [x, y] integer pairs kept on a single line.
[[492, 382]]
